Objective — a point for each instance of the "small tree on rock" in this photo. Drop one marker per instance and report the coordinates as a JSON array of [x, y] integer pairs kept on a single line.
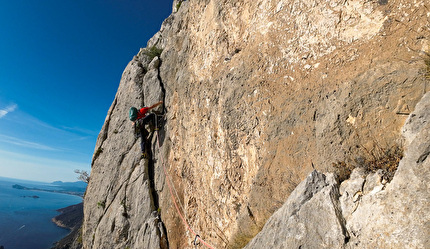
[[83, 175]]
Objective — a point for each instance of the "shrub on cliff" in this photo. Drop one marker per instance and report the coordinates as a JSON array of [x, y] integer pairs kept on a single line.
[[178, 5], [152, 52], [376, 158]]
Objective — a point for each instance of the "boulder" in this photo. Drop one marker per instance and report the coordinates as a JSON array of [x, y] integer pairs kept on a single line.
[[310, 218]]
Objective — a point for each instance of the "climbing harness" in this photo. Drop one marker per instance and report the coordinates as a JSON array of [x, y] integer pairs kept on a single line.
[[169, 184]]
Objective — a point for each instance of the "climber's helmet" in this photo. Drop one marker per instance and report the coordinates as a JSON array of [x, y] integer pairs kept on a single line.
[[132, 113]]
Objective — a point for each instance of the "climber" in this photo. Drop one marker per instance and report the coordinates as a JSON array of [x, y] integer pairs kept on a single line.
[[139, 119]]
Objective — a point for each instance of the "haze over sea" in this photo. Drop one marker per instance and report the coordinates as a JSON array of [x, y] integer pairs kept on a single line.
[[25, 215]]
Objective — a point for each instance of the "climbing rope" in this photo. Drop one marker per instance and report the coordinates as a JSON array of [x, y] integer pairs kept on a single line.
[[169, 184]]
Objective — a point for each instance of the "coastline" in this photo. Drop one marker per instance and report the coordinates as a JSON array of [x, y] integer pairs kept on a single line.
[[61, 191], [71, 218], [26, 221]]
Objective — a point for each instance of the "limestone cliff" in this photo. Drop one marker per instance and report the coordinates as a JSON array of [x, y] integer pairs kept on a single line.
[[256, 94], [364, 211]]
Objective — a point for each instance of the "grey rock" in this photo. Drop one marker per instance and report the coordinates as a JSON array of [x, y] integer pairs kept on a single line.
[[120, 201], [417, 120], [310, 218], [399, 215], [152, 86], [351, 191], [374, 182]]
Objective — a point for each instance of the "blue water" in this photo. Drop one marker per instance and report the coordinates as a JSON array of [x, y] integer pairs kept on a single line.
[[25, 222]]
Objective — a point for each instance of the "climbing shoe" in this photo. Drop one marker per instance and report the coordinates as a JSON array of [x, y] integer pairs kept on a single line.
[[144, 155]]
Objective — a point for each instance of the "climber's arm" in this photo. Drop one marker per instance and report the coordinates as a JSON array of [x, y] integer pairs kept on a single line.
[[155, 105]]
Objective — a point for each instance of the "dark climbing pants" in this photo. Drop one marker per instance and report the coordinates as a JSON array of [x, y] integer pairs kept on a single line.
[[143, 132]]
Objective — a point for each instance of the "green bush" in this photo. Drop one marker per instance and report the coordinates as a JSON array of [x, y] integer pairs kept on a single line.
[[101, 204], [79, 239], [178, 5], [152, 52]]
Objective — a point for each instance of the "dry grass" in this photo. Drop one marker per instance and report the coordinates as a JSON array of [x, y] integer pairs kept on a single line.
[[376, 158], [342, 170], [240, 240], [427, 69]]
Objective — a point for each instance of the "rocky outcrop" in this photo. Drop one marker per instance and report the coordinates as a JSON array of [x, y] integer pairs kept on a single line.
[[123, 209], [364, 211], [310, 218], [256, 94], [70, 218]]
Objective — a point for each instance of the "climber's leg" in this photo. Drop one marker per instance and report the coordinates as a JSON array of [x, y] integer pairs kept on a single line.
[[143, 135], [150, 118]]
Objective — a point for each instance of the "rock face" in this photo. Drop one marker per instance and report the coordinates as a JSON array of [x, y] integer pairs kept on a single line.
[[364, 211], [311, 218], [255, 93], [122, 208]]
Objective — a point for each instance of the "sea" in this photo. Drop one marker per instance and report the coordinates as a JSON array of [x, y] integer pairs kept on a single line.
[[25, 215]]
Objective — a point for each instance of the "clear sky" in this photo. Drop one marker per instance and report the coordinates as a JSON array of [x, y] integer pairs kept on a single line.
[[60, 66]]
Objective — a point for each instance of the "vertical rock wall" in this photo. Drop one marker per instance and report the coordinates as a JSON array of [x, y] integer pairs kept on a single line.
[[255, 94], [121, 202]]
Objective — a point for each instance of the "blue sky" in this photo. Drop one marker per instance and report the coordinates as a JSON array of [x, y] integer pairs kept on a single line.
[[60, 67]]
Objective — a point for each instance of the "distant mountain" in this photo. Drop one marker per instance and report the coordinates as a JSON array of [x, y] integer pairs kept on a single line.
[[77, 184]]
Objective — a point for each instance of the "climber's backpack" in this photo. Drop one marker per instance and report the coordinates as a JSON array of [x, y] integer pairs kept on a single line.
[[133, 113]]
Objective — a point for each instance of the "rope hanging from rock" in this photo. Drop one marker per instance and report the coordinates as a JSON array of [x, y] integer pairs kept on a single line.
[[174, 201]]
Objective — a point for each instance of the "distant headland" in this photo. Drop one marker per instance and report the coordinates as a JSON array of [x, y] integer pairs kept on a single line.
[[76, 188]]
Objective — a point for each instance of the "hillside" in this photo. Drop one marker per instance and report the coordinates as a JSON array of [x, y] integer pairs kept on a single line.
[[70, 218], [258, 94]]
